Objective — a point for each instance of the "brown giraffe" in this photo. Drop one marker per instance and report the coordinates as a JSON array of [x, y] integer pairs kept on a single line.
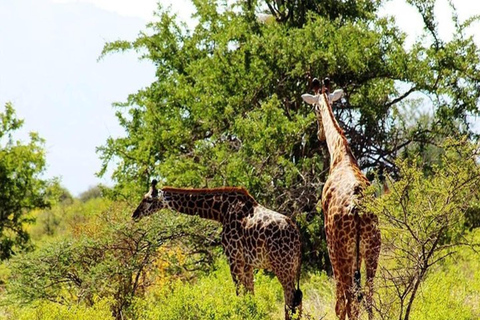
[[352, 236], [252, 236]]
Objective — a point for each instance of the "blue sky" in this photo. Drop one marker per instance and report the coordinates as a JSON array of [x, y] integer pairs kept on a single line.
[[49, 71]]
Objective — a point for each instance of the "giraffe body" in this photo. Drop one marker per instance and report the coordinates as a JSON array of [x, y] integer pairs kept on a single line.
[[253, 237], [353, 237]]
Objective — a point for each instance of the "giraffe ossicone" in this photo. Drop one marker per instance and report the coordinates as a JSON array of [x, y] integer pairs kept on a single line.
[[252, 235], [351, 237]]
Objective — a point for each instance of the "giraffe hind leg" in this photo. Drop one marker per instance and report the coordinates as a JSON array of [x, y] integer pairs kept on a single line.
[[289, 296], [340, 304], [371, 266], [348, 298], [292, 296], [353, 305], [371, 254]]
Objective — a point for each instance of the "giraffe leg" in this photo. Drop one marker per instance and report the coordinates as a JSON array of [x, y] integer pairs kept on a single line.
[[247, 280], [340, 305], [347, 303], [288, 284], [371, 253], [371, 264], [355, 293], [341, 287], [353, 305], [236, 270], [287, 275], [286, 261]]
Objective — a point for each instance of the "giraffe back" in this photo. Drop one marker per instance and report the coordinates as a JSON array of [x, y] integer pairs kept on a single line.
[[268, 238]]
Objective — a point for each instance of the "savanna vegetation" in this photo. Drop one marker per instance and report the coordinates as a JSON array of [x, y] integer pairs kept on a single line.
[[225, 109]]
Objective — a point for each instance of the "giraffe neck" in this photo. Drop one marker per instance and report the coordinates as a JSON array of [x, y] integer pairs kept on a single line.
[[213, 204], [337, 144]]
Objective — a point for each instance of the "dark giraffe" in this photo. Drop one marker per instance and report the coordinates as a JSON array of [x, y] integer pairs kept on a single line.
[[252, 236], [352, 236]]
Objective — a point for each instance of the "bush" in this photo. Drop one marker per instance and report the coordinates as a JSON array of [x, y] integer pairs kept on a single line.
[[92, 193], [453, 290], [105, 254], [423, 222], [318, 296], [46, 310], [212, 297]]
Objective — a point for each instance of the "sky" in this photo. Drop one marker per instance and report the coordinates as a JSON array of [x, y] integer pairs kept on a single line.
[[49, 70]]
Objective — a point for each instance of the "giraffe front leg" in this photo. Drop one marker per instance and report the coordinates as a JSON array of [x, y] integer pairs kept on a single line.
[[235, 258], [236, 270], [248, 278]]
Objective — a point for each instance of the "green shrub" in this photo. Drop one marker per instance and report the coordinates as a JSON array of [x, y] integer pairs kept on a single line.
[[453, 290], [103, 253], [46, 310], [423, 222], [212, 297]]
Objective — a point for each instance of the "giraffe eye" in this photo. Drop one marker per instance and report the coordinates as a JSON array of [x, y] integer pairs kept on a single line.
[[148, 200]]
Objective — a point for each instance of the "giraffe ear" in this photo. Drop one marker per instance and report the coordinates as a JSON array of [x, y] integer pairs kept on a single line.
[[310, 99], [337, 94]]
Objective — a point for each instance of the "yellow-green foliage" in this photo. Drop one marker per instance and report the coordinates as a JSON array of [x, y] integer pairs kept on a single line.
[[46, 310], [214, 297], [211, 297], [423, 222], [453, 290]]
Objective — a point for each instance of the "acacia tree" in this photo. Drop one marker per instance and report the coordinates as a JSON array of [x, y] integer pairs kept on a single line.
[[21, 186], [225, 108], [110, 256]]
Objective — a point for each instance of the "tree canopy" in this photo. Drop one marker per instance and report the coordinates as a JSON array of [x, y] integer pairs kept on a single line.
[[225, 108]]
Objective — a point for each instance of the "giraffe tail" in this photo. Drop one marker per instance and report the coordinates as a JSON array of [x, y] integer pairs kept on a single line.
[[358, 288], [357, 275], [298, 295], [297, 298]]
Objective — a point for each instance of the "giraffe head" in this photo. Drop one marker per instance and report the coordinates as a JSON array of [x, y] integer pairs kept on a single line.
[[319, 101], [152, 201], [315, 100]]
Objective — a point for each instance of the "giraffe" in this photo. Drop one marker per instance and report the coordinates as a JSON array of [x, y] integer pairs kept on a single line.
[[252, 235], [352, 235]]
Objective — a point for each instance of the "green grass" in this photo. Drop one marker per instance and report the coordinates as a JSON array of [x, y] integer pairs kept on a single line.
[[213, 297]]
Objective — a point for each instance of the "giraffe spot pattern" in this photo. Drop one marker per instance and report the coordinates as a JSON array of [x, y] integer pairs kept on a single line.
[[252, 235]]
